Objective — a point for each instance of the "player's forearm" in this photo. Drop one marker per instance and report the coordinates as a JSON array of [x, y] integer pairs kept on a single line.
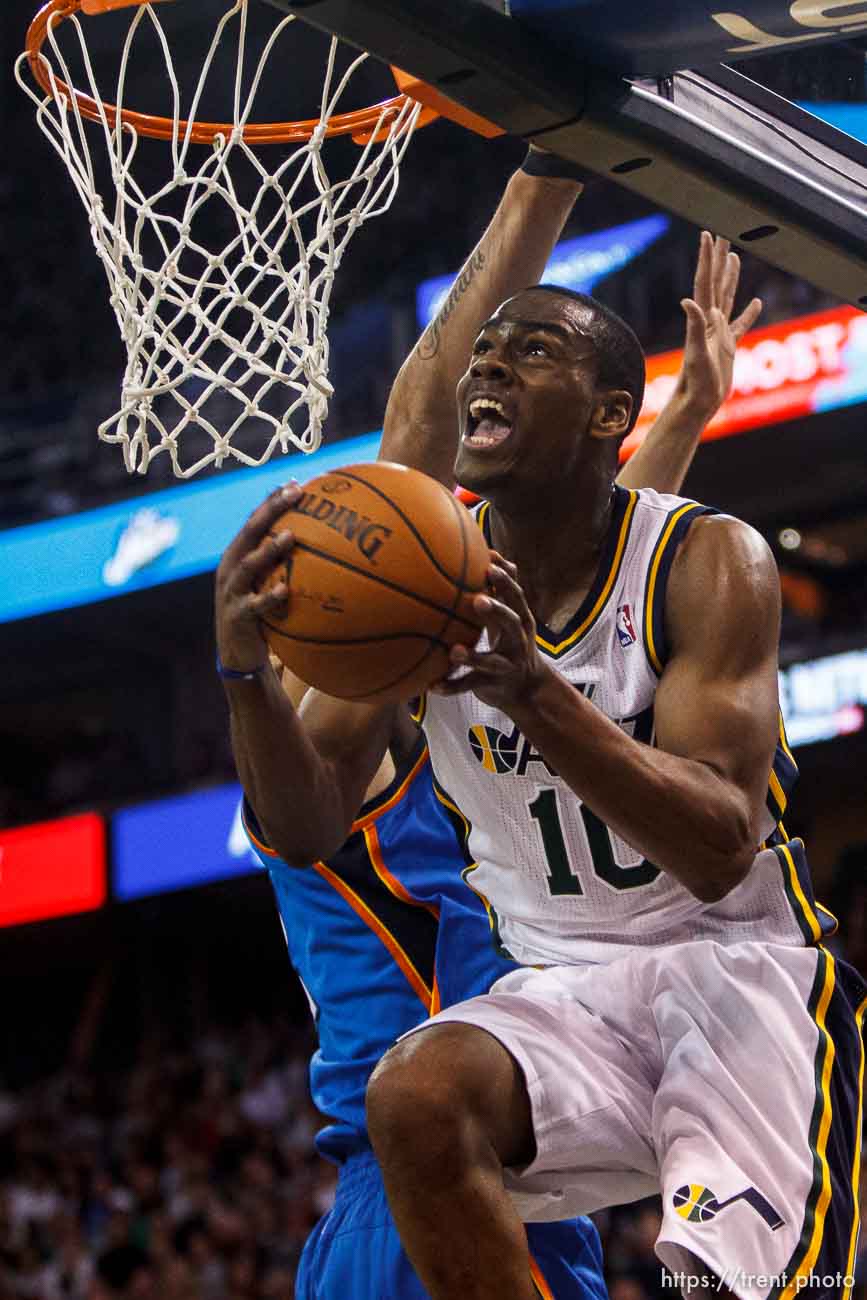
[[420, 427], [679, 813], [664, 457], [301, 801]]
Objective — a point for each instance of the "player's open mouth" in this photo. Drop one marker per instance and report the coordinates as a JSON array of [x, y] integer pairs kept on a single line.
[[487, 423]]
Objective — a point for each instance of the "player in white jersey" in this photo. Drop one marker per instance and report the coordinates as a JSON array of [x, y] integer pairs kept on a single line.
[[596, 1095], [614, 746], [575, 890]]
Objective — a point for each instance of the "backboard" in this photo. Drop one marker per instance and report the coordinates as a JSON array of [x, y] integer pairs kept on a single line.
[[697, 110]]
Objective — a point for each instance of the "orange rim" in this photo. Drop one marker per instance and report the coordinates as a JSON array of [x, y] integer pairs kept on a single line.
[[361, 124]]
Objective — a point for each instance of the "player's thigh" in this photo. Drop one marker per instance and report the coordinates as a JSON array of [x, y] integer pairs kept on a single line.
[[756, 1116], [589, 1085], [443, 1091]]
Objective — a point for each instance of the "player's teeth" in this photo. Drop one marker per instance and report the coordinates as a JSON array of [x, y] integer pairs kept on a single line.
[[485, 404]]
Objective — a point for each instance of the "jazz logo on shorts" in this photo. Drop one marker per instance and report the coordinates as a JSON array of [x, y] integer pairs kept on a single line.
[[625, 628], [699, 1205]]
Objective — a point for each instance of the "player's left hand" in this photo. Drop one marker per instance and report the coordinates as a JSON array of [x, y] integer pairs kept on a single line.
[[507, 674], [712, 336]]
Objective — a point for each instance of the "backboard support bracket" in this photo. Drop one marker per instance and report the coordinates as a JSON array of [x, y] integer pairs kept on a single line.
[[702, 150]]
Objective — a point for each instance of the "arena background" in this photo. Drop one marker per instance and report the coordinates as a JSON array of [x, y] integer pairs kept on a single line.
[[155, 1129]]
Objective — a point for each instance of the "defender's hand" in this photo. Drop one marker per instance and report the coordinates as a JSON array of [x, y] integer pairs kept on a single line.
[[712, 337], [507, 674], [246, 562]]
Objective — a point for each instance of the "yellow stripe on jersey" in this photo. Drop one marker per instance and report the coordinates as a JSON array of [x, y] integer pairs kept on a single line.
[[471, 866], [826, 911], [784, 741], [602, 600], [784, 773], [453, 807], [777, 793], [654, 651], [806, 916], [480, 733], [856, 1162], [808, 1259]]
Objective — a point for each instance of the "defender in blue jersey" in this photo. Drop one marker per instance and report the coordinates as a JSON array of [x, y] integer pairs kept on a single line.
[[380, 935], [381, 928]]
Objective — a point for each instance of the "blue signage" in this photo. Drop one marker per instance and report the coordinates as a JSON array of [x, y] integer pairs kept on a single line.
[[850, 118], [167, 535], [176, 843], [824, 698], [578, 263]]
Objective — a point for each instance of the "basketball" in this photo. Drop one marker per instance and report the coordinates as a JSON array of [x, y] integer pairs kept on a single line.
[[381, 580]]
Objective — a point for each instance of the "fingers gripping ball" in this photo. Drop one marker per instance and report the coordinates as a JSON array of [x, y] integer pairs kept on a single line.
[[381, 581]]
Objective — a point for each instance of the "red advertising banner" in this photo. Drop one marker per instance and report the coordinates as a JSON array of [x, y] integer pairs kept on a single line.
[[795, 368], [52, 869]]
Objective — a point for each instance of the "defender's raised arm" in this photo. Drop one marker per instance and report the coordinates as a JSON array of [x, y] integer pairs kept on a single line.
[[421, 427]]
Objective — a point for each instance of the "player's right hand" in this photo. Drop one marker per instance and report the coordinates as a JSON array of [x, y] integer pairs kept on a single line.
[[246, 562]]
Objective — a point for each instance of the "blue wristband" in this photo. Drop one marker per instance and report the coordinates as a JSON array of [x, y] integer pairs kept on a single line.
[[236, 675]]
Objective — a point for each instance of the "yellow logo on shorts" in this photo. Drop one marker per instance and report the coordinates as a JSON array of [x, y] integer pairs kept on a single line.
[[698, 1204]]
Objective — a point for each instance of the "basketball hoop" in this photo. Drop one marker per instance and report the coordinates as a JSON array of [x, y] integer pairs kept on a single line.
[[229, 337]]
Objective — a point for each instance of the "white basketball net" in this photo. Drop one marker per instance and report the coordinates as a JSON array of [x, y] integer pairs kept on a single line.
[[235, 337]]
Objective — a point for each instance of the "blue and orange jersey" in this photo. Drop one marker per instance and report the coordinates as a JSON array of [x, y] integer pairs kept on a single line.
[[381, 935]]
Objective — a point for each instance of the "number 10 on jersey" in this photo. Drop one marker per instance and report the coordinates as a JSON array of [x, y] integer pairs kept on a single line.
[[562, 878]]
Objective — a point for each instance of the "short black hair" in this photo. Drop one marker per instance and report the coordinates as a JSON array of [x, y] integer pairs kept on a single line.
[[621, 356]]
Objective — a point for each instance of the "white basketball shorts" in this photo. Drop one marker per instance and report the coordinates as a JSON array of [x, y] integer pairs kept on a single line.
[[727, 1078]]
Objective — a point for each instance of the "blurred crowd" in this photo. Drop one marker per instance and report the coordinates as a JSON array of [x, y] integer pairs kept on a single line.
[[190, 1173], [190, 1176]]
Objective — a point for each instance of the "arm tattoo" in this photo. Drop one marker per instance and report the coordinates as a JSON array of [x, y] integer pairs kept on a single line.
[[430, 342]]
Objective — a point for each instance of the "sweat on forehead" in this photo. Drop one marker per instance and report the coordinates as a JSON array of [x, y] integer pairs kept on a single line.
[[539, 304], [620, 355]]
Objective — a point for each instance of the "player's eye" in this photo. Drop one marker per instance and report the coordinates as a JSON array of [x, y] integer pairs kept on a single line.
[[480, 346], [536, 348]]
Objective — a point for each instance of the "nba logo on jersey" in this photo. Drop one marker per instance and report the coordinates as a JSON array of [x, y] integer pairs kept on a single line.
[[625, 630]]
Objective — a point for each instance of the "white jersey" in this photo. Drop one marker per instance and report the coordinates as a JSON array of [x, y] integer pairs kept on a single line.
[[560, 886]]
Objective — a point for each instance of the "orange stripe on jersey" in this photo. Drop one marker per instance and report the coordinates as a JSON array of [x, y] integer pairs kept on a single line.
[[419, 987], [436, 1002], [263, 848], [362, 822], [391, 882], [539, 1281]]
